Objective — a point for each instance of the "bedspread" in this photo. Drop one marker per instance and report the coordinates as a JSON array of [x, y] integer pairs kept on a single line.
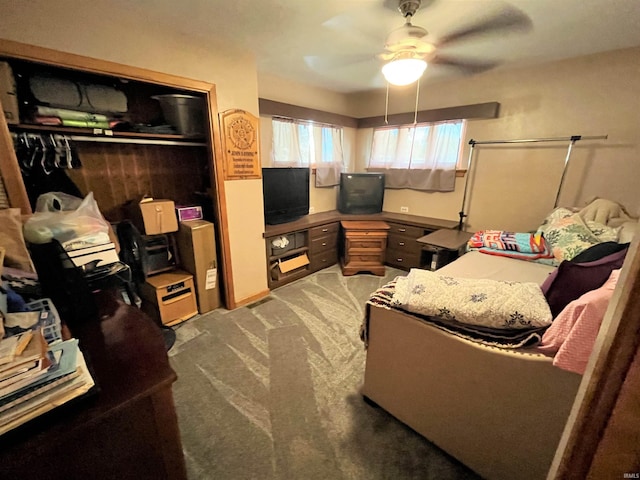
[[473, 301], [493, 337]]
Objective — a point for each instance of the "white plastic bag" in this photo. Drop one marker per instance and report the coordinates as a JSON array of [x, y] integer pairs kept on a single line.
[[73, 221]]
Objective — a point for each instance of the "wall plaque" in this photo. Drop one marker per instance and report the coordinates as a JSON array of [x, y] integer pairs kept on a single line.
[[240, 145]]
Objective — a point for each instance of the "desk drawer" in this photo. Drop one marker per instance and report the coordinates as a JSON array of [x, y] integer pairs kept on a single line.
[[322, 243], [322, 230], [406, 230], [404, 244], [403, 259], [323, 259]]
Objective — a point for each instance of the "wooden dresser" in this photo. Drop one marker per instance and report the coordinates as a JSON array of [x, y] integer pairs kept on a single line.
[[365, 243]]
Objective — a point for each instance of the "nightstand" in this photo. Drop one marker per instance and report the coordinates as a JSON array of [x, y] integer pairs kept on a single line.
[[365, 243], [446, 245]]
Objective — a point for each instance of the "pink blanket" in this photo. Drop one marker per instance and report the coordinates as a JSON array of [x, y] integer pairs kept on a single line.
[[573, 333]]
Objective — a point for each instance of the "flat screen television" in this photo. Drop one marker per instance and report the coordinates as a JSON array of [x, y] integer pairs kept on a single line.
[[286, 194], [361, 193]]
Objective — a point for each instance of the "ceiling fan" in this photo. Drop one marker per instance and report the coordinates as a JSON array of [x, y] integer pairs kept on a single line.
[[412, 47]]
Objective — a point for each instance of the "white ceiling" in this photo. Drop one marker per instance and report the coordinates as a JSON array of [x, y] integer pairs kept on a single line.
[[333, 43]]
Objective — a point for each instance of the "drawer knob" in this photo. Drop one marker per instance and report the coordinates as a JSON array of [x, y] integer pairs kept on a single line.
[[325, 229], [401, 244], [402, 229], [398, 259], [324, 244]]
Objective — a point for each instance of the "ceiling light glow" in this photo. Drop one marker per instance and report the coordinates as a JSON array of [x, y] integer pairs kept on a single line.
[[404, 71]]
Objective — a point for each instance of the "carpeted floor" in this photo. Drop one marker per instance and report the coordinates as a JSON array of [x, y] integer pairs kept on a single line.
[[271, 391]]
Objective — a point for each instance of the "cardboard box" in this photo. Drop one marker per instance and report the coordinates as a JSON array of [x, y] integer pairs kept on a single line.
[[8, 94], [153, 216], [173, 295], [197, 251]]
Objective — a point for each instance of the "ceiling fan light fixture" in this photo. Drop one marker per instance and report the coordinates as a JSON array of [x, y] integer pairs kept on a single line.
[[404, 71]]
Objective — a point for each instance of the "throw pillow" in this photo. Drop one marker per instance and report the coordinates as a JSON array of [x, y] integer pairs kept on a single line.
[[16, 255], [571, 280], [569, 236], [599, 250]]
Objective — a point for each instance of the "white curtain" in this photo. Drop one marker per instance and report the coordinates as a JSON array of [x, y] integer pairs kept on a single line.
[[329, 168], [419, 157], [304, 144], [285, 148]]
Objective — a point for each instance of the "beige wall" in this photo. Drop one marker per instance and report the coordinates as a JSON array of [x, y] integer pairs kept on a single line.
[[95, 30], [514, 187]]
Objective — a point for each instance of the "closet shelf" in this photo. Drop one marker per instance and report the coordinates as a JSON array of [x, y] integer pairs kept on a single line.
[[110, 136]]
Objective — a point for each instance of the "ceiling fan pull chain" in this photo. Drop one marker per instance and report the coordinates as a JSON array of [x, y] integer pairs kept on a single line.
[[386, 106], [415, 114]]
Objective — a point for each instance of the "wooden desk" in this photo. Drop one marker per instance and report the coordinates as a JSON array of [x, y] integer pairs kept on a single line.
[[127, 429]]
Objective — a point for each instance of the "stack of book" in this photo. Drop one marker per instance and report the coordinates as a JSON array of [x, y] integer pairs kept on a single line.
[[38, 372]]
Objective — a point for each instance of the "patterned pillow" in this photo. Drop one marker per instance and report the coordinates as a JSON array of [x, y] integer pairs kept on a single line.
[[568, 236], [482, 302]]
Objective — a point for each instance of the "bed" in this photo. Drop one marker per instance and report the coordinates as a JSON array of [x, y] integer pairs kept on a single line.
[[499, 409]]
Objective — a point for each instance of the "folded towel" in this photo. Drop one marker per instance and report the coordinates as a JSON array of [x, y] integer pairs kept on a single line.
[[66, 114]]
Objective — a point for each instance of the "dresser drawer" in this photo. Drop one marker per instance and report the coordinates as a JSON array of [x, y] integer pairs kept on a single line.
[[360, 243], [325, 242], [407, 230], [322, 230], [403, 259], [365, 258]]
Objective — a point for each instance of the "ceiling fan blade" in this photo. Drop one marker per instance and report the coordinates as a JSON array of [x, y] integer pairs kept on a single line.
[[466, 66], [506, 20], [321, 64]]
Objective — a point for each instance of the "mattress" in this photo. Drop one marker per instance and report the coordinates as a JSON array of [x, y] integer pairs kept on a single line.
[[481, 265]]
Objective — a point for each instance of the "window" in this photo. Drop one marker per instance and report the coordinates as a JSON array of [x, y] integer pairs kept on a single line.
[[301, 144], [430, 151], [298, 143]]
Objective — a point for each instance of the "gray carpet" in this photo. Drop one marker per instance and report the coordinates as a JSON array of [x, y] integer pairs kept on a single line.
[[271, 391]]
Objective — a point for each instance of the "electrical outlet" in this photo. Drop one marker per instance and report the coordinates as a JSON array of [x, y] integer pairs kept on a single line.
[[312, 209], [404, 209]]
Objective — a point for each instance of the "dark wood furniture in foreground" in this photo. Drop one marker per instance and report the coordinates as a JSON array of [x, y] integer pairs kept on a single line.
[[365, 242], [317, 236], [445, 245], [126, 429]]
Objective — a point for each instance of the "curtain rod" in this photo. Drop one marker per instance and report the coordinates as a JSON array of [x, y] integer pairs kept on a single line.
[[573, 138]]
